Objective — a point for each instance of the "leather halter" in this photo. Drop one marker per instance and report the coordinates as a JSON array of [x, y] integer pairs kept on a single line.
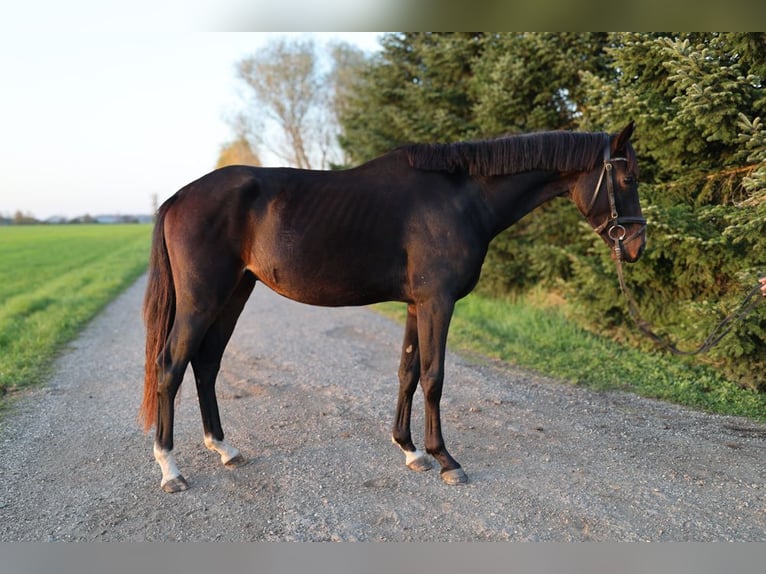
[[614, 222]]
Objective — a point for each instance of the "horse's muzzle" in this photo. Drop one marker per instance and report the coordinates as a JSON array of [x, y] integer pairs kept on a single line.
[[628, 242]]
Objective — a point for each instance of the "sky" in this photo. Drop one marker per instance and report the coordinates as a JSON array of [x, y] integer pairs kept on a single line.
[[100, 122]]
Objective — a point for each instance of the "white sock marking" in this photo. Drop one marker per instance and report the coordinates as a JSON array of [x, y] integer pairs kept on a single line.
[[409, 454], [222, 447], [167, 463], [412, 456]]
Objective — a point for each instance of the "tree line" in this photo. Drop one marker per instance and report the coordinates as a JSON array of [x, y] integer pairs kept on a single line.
[[698, 102], [27, 218]]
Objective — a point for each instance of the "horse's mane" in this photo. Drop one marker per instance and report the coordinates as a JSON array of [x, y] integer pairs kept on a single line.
[[554, 151]]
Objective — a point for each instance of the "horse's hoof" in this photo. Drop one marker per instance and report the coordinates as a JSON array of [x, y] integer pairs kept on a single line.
[[419, 464], [454, 476], [235, 461], [176, 484]]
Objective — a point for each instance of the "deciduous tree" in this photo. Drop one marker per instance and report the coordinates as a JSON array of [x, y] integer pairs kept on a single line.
[[237, 152], [297, 91]]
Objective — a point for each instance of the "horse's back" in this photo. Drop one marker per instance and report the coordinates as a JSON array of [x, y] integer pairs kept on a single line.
[[329, 238]]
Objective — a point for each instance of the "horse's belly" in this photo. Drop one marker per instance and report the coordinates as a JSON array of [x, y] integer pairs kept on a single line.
[[332, 285]]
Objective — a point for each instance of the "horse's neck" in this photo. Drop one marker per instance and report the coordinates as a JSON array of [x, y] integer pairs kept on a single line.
[[512, 197]]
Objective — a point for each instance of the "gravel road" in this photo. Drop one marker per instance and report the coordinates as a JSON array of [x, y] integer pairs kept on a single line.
[[308, 395]]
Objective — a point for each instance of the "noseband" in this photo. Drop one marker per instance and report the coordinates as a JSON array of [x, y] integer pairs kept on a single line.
[[614, 223]]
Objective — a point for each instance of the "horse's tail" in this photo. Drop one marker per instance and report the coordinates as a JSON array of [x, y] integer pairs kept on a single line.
[[159, 313]]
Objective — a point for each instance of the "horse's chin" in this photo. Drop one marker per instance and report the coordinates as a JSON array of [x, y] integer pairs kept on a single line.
[[629, 254]]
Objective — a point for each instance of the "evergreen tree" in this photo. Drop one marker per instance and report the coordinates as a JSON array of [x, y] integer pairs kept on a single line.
[[530, 81], [417, 89], [698, 101]]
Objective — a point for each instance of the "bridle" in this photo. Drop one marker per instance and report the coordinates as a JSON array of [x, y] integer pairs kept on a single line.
[[616, 230]]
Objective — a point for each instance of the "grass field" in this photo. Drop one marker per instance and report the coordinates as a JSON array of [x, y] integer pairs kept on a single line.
[[53, 279]]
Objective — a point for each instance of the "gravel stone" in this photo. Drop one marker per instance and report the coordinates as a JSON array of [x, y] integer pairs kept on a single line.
[[308, 395]]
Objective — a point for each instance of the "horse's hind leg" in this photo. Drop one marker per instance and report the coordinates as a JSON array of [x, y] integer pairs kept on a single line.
[[409, 374], [198, 306], [185, 336], [206, 364]]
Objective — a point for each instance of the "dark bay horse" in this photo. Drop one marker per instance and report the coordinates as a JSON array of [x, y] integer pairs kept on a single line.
[[413, 225]]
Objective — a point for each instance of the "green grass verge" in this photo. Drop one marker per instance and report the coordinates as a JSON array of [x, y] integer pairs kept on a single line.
[[543, 339], [53, 280]]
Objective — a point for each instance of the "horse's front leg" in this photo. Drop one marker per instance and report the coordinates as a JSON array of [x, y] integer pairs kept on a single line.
[[433, 318], [409, 374]]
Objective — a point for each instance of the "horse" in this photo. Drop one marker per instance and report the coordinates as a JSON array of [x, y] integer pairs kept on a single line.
[[412, 225]]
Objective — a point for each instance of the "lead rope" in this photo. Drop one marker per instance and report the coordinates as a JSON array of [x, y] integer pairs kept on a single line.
[[719, 332]]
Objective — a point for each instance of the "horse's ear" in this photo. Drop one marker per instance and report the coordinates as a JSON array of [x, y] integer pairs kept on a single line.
[[620, 140]]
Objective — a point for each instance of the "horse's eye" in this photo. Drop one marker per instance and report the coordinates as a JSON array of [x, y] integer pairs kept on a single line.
[[628, 180]]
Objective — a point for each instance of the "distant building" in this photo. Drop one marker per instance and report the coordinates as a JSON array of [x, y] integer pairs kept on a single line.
[[107, 219]]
